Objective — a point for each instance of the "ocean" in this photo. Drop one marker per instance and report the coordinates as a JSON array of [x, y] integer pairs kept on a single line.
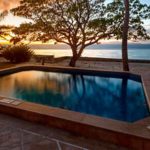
[[135, 51]]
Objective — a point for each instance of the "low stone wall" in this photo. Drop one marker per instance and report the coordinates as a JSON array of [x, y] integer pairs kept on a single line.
[[100, 59]]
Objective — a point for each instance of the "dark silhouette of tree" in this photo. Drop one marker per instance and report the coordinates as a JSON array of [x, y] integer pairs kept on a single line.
[[128, 16], [77, 23], [80, 23], [125, 36]]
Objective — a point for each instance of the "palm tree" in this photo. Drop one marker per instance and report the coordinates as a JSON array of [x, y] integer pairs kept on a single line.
[[125, 37]]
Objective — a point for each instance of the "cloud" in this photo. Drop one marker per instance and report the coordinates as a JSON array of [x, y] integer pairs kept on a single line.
[[148, 28], [8, 4]]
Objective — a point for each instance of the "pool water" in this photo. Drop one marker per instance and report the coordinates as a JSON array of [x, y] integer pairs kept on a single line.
[[111, 97]]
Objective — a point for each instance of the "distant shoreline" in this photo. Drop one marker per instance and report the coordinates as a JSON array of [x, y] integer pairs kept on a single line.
[[143, 54], [95, 46], [136, 51]]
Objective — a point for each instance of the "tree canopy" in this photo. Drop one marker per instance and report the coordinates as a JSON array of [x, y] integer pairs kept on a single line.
[[78, 23], [70, 22], [128, 16], [138, 13]]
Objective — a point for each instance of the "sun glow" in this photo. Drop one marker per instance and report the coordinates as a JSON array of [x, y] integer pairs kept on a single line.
[[3, 41], [16, 21], [13, 20]]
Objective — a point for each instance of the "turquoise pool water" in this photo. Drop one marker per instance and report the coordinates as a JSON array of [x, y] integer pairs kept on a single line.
[[119, 98]]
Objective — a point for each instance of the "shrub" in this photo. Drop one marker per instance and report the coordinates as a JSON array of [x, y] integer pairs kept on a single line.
[[18, 53]]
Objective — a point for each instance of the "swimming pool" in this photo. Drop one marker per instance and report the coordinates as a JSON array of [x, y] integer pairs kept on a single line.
[[119, 97]]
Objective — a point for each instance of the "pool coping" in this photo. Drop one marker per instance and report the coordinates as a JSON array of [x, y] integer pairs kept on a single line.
[[133, 135]]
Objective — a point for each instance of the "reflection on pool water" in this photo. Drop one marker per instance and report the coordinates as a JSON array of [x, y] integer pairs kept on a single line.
[[116, 98]]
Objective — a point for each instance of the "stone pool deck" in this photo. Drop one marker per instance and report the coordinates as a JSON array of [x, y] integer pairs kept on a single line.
[[18, 134]]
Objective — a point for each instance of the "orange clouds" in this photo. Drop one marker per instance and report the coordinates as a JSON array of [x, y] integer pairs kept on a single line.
[[8, 4]]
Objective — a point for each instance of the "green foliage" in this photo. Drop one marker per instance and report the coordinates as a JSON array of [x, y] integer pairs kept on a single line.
[[18, 53], [78, 23], [79, 20]]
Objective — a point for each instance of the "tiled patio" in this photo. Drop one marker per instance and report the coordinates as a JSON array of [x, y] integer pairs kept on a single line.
[[17, 134]]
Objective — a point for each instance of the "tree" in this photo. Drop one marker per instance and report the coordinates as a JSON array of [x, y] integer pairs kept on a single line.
[[128, 16], [125, 37], [80, 23], [77, 23]]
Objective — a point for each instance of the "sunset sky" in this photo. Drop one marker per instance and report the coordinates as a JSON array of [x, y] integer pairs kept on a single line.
[[13, 20]]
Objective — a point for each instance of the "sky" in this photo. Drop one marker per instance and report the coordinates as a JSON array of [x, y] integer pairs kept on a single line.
[[16, 21]]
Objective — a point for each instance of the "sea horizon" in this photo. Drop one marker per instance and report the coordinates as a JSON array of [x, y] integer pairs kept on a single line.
[[135, 50]]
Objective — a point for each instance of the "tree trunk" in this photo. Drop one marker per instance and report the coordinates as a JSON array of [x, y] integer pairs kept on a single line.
[[73, 61], [76, 56], [125, 37]]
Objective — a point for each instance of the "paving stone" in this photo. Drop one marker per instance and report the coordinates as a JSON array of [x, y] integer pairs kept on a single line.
[[70, 147], [9, 137], [16, 103], [42, 145], [6, 100], [16, 134], [16, 148]]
